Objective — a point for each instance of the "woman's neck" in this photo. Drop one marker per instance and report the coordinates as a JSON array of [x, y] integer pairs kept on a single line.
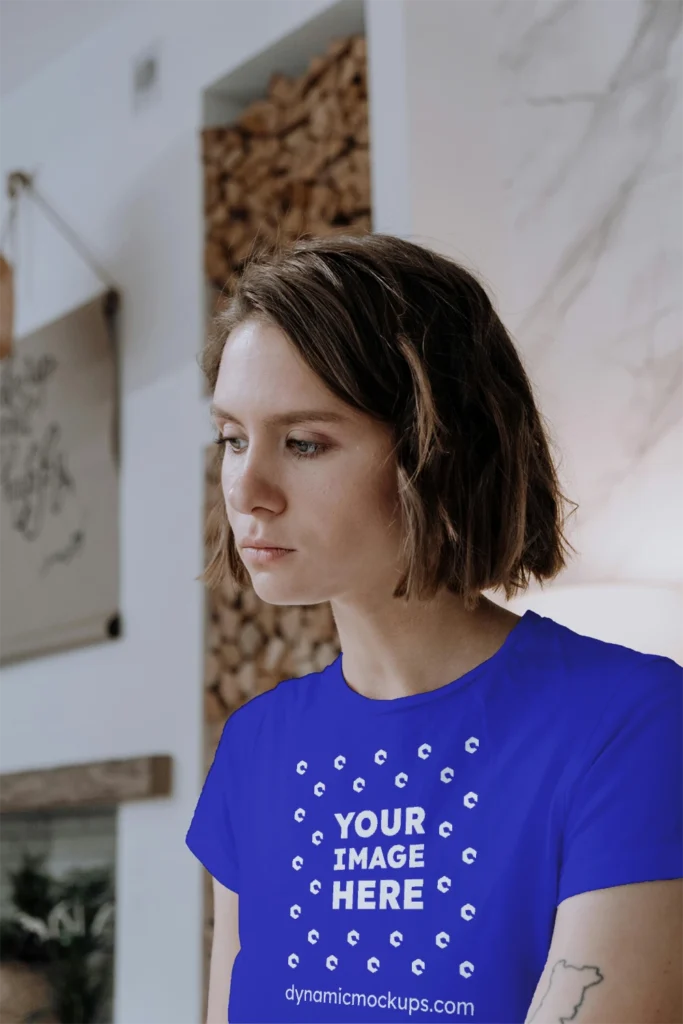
[[412, 647]]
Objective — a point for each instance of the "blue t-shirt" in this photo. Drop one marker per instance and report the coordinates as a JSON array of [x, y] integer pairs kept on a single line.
[[402, 860]]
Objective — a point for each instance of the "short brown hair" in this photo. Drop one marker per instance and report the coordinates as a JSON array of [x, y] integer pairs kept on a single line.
[[410, 337]]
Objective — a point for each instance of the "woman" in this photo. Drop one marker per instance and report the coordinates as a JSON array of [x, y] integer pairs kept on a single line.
[[398, 831]]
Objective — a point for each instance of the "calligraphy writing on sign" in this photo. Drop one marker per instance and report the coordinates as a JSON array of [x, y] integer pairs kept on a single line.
[[34, 475]]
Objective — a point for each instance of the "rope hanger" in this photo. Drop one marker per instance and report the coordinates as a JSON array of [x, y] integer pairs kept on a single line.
[[18, 181]]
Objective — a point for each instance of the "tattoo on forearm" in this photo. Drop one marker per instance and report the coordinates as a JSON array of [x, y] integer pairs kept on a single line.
[[566, 991]]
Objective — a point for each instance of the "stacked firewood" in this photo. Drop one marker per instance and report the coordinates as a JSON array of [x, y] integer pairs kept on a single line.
[[295, 163]]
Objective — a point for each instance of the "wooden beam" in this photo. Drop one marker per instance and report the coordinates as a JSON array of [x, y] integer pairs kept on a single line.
[[93, 784]]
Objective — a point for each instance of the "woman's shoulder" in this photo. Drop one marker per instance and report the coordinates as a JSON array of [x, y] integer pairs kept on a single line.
[[597, 673], [273, 703]]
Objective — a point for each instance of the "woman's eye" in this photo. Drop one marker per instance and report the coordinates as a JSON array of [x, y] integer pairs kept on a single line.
[[317, 448]]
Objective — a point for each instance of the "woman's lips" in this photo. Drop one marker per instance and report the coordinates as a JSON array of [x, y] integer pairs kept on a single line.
[[265, 555]]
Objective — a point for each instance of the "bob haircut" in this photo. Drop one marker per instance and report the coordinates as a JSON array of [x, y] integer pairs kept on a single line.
[[410, 338]]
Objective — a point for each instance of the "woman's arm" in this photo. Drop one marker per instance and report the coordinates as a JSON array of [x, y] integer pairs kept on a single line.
[[615, 955], [224, 949]]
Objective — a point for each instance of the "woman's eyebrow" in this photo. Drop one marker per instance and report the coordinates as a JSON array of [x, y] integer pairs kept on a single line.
[[285, 418]]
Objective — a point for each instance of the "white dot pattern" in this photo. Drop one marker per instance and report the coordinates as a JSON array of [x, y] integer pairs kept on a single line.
[[308, 935]]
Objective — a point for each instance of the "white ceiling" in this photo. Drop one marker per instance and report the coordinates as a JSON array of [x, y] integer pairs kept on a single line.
[[35, 32]]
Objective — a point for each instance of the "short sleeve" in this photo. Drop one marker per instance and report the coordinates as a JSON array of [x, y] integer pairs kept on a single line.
[[211, 835], [624, 816]]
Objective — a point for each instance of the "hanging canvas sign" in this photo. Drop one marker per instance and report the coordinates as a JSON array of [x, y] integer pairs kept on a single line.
[[59, 496], [6, 306]]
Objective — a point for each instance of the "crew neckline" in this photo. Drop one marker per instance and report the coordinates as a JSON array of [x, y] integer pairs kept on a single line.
[[353, 700]]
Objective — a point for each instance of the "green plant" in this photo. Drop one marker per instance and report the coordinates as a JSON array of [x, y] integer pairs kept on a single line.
[[67, 926]]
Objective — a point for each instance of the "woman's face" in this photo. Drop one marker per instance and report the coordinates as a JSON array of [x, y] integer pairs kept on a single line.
[[325, 489]]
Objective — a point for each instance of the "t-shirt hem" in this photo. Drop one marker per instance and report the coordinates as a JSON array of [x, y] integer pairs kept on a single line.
[[216, 869], [651, 865]]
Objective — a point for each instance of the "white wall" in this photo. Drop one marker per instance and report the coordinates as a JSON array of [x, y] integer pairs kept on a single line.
[[130, 186], [35, 34], [434, 96]]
